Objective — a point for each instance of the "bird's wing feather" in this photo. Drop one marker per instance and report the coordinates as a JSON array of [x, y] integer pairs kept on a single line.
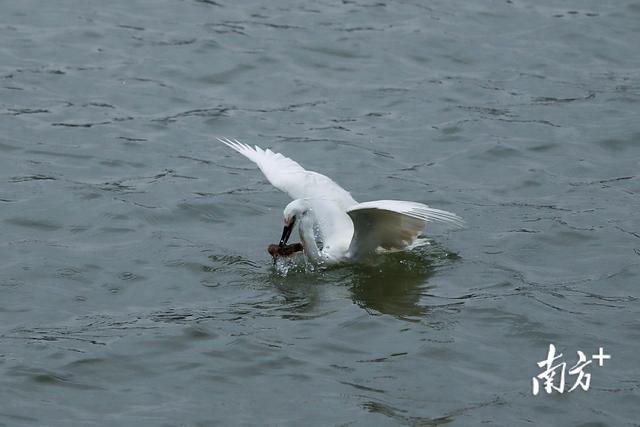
[[392, 224], [288, 176]]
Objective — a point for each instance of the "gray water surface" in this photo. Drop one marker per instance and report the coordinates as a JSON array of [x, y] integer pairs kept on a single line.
[[135, 287]]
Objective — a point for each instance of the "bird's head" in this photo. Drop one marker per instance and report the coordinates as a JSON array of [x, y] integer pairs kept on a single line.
[[292, 212]]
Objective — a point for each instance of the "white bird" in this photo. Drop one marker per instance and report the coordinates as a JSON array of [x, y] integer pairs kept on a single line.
[[333, 227]]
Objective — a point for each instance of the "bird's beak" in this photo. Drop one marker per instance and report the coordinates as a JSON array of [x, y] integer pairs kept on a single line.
[[286, 233]]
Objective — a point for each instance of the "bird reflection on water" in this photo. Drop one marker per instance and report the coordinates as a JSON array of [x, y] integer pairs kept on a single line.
[[394, 284]]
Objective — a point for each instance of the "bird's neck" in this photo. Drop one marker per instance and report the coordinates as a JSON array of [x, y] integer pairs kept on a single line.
[[308, 238]]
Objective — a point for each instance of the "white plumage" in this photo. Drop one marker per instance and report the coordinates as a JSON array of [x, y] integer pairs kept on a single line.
[[334, 227]]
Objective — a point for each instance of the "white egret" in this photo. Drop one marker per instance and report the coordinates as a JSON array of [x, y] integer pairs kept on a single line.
[[333, 227]]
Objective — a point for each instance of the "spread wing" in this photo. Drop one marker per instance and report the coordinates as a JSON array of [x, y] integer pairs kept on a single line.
[[288, 176], [392, 224]]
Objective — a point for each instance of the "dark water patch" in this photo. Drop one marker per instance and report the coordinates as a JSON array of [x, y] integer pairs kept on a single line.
[[72, 273], [131, 27], [117, 187], [617, 144], [567, 224], [99, 105], [169, 173], [382, 359], [451, 130], [500, 151], [92, 124], [232, 260], [548, 100], [90, 195], [399, 416], [535, 206], [286, 108], [117, 230], [47, 378], [335, 52], [226, 27], [524, 121], [630, 232], [146, 80], [37, 177], [209, 2], [362, 387], [119, 163], [621, 178], [417, 166], [488, 111], [8, 147], [266, 24], [10, 283], [128, 276], [207, 212], [188, 315], [341, 128], [43, 70], [44, 335], [358, 29], [189, 266], [131, 139], [554, 305], [602, 183], [35, 224], [566, 238], [544, 147], [195, 159], [227, 76], [171, 42], [59, 154], [200, 112], [21, 111], [197, 332], [18, 418]]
